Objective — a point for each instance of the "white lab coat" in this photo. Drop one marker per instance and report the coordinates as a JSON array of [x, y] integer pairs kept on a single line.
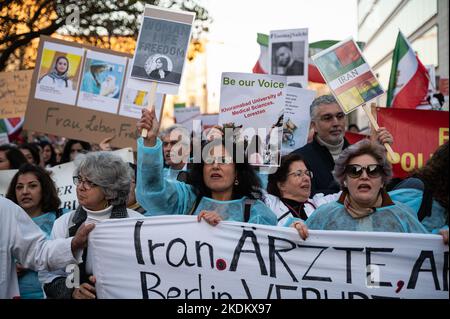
[[22, 240]]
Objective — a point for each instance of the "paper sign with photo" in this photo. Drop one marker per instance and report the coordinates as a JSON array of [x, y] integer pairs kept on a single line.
[[288, 52], [296, 118], [59, 73], [253, 105], [162, 47], [348, 75], [102, 80]]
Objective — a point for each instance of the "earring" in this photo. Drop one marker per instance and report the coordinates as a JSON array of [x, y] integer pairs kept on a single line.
[[236, 182]]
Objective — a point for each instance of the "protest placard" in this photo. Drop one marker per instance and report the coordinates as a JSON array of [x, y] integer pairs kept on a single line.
[[14, 90], [417, 134], [167, 257], [161, 49], [62, 176], [52, 106], [253, 106], [186, 115], [350, 78], [209, 120], [288, 52], [297, 118]]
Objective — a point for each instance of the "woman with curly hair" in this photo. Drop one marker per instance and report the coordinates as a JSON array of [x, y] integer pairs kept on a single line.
[[426, 192]]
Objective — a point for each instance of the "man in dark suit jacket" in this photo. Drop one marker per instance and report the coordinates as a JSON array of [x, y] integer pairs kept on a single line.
[[328, 122]]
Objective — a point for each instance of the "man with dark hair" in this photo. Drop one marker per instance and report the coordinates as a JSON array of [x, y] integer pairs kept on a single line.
[[328, 122]]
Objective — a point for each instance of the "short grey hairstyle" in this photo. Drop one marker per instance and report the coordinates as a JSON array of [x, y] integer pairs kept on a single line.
[[109, 172], [321, 100], [364, 147]]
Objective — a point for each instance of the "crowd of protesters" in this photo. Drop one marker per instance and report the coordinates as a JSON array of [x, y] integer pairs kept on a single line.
[[327, 184]]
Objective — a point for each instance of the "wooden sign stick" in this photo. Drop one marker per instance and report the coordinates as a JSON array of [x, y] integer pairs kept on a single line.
[[394, 156], [151, 102]]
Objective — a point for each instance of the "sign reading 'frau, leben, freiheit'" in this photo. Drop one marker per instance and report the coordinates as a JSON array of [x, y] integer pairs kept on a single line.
[[178, 257]]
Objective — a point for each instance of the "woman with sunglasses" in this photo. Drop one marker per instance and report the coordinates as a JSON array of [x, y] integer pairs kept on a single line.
[[219, 187], [289, 191], [362, 170], [102, 184]]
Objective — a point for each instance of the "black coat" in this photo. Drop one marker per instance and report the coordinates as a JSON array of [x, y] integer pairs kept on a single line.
[[319, 160]]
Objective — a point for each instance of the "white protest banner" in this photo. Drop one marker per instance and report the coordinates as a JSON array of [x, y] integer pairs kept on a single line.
[[14, 90], [161, 49], [62, 176], [288, 52], [177, 257], [186, 115], [348, 75], [297, 118], [253, 104]]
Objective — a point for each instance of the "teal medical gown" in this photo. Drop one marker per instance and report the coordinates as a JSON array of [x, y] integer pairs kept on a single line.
[[413, 198], [394, 218], [160, 196]]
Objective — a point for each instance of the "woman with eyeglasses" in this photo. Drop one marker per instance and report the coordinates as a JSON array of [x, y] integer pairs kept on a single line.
[[289, 191], [218, 188], [362, 171], [102, 184]]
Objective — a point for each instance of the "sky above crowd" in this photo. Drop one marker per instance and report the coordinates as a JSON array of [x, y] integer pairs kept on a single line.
[[232, 37]]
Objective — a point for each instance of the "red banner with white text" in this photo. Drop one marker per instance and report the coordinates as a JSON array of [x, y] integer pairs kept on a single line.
[[417, 134]]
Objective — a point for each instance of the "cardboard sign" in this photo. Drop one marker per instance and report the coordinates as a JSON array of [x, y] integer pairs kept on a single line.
[[14, 90], [161, 49], [253, 105], [168, 257], [288, 52], [297, 118], [84, 78], [350, 78]]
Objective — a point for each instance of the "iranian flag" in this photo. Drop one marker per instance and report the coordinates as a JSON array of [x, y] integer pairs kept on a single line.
[[262, 65], [408, 84], [11, 127]]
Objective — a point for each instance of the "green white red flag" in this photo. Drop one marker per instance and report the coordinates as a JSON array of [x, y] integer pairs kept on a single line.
[[408, 83]]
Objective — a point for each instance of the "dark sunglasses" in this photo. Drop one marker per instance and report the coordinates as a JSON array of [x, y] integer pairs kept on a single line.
[[355, 170]]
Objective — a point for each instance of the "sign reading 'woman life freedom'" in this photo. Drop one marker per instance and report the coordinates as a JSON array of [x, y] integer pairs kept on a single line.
[[168, 257], [348, 75], [161, 49]]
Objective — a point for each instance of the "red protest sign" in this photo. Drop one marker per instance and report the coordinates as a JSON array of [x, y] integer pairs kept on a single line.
[[417, 134]]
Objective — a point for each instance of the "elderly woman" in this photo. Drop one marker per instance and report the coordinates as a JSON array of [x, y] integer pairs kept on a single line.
[[220, 187], [362, 170], [33, 189], [103, 184], [289, 189]]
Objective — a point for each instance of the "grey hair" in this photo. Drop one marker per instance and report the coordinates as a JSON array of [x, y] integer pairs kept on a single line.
[[321, 100], [109, 172], [364, 147], [169, 130]]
